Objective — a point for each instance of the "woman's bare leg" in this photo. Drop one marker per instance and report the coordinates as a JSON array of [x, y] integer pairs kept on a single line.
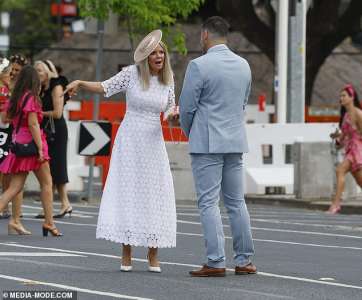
[[16, 207], [63, 195], [342, 169], [358, 177], [16, 185], [126, 255], [16, 202], [46, 192], [152, 257], [4, 186]]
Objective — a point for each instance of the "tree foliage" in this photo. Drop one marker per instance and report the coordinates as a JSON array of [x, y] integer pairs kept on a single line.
[[144, 15], [6, 5], [329, 22], [31, 28]]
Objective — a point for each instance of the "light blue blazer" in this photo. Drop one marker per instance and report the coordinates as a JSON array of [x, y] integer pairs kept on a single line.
[[212, 102]]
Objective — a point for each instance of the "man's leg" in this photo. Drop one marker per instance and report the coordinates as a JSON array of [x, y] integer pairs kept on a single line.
[[207, 172], [233, 192]]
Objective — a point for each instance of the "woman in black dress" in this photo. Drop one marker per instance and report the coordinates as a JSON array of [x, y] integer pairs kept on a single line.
[[53, 104]]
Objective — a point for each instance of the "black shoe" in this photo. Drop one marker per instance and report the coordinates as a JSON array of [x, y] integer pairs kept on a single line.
[[63, 213], [5, 215], [39, 216]]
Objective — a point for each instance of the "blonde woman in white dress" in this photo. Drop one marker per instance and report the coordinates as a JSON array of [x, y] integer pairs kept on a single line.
[[138, 202]]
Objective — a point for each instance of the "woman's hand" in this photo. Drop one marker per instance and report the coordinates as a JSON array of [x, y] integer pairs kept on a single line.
[[41, 156], [72, 88], [336, 134], [173, 117]]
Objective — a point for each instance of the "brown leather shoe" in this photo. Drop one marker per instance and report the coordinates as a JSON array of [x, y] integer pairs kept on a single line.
[[206, 271], [248, 269]]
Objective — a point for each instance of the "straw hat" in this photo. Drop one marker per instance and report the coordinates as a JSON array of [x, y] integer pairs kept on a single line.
[[147, 45]]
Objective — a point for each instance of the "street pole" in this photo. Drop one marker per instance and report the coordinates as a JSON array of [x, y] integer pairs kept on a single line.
[[282, 60], [59, 21], [99, 63], [296, 61]]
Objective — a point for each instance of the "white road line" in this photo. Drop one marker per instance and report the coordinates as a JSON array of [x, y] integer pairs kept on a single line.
[[226, 237], [281, 242], [85, 205], [340, 227], [84, 214], [308, 232], [334, 227], [45, 264], [75, 213], [81, 216], [73, 288], [351, 223], [167, 279], [284, 230], [63, 222], [39, 254], [226, 226], [188, 265]]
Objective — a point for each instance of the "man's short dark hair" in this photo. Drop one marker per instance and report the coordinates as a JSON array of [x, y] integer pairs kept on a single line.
[[217, 26]]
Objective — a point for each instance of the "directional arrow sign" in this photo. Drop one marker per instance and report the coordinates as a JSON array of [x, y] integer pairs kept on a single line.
[[95, 138]]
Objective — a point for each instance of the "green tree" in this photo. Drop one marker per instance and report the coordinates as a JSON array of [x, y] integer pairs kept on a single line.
[[144, 15], [31, 28], [329, 22], [11, 4]]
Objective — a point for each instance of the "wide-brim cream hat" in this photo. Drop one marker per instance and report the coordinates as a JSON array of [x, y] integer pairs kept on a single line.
[[147, 45]]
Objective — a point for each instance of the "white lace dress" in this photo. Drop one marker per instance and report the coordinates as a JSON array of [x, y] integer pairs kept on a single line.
[[138, 202]]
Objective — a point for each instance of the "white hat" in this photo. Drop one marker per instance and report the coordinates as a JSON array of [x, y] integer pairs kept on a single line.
[[147, 45]]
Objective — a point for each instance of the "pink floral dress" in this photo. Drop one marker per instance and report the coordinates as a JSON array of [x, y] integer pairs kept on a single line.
[[13, 164], [352, 142]]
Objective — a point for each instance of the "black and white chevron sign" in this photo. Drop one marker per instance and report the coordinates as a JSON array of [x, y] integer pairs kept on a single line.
[[95, 138]]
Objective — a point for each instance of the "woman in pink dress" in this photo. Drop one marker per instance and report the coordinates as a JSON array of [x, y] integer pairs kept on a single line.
[[350, 138], [4, 97], [25, 109], [8, 78]]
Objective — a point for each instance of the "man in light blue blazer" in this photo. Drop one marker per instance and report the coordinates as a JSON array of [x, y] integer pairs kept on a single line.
[[212, 105]]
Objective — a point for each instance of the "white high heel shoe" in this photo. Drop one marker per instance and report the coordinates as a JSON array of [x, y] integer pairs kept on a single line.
[[126, 268], [154, 269]]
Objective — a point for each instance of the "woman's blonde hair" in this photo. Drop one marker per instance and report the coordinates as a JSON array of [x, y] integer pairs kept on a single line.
[[166, 74], [48, 67]]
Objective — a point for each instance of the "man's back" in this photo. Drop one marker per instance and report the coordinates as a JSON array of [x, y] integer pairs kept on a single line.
[[221, 86]]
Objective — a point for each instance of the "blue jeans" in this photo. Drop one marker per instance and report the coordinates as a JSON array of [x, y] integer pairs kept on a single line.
[[222, 172]]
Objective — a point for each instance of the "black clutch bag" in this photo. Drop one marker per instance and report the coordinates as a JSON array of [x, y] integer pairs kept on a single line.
[[24, 150]]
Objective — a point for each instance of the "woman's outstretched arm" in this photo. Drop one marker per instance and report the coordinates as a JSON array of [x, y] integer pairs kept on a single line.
[[91, 86]]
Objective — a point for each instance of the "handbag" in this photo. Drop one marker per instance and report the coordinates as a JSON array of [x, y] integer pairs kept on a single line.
[[49, 130], [26, 149]]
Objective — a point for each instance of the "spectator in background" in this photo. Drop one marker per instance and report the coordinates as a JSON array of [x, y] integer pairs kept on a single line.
[[4, 97], [24, 112], [56, 127], [17, 61], [350, 138]]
